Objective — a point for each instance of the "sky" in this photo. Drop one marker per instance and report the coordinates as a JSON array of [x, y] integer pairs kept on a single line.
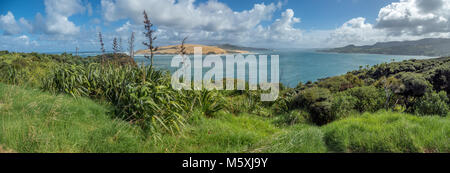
[[64, 25]]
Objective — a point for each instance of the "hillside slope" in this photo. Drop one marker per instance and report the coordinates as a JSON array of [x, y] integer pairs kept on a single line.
[[426, 47]]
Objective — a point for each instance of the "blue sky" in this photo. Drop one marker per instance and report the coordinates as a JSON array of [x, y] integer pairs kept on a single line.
[[62, 25]]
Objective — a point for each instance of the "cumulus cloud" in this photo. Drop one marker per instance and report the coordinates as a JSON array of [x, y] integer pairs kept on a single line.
[[56, 21], [415, 17], [124, 27], [210, 22], [26, 40], [355, 31], [9, 24], [184, 14], [283, 28], [18, 43], [214, 22], [403, 20]]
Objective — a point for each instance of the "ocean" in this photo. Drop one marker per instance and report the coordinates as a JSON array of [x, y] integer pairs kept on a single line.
[[301, 65]]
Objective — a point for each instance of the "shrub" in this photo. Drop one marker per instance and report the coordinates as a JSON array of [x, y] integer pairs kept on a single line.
[[4, 52], [248, 102], [415, 84], [292, 118], [369, 98], [340, 83], [440, 78], [343, 105], [432, 104], [12, 75], [318, 102], [310, 96], [321, 113], [209, 102], [285, 102], [152, 104]]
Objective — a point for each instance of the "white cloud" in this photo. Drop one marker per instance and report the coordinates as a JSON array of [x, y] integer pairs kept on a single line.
[[283, 28], [214, 22], [415, 17], [184, 14], [17, 43], [404, 20], [355, 31], [26, 25], [26, 40], [8, 24], [211, 23], [57, 20], [124, 27]]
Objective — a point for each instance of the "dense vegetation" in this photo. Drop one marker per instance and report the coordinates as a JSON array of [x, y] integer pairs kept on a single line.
[[65, 103], [426, 47]]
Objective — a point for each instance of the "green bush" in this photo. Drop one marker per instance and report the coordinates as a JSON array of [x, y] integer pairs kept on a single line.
[[343, 105], [415, 84], [247, 102], [4, 52], [321, 113], [209, 102], [141, 95], [285, 102], [318, 102], [292, 118], [340, 83], [310, 96], [369, 98], [440, 77], [432, 104]]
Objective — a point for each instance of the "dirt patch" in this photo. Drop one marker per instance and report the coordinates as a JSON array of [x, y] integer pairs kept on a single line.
[[4, 150]]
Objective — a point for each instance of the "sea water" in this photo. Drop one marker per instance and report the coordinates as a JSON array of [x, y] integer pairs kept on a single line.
[[298, 65]]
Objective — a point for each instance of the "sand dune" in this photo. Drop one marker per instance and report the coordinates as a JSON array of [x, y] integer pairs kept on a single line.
[[206, 50]]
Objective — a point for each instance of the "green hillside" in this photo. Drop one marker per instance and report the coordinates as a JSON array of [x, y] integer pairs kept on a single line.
[[425, 47]]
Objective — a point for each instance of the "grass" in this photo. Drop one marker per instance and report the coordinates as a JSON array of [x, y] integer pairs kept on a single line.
[[300, 138], [389, 132], [35, 121], [226, 133], [4, 150]]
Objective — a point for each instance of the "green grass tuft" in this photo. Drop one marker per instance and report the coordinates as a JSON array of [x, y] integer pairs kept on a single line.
[[299, 139], [226, 133], [389, 132]]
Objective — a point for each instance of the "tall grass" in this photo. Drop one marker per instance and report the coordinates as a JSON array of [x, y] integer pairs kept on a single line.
[[226, 133], [300, 138], [389, 132], [32, 121], [141, 95]]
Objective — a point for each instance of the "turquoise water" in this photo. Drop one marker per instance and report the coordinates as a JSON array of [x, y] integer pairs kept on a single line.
[[306, 65]]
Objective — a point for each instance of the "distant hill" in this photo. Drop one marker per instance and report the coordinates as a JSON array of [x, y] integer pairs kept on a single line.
[[425, 47], [174, 49], [234, 47]]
